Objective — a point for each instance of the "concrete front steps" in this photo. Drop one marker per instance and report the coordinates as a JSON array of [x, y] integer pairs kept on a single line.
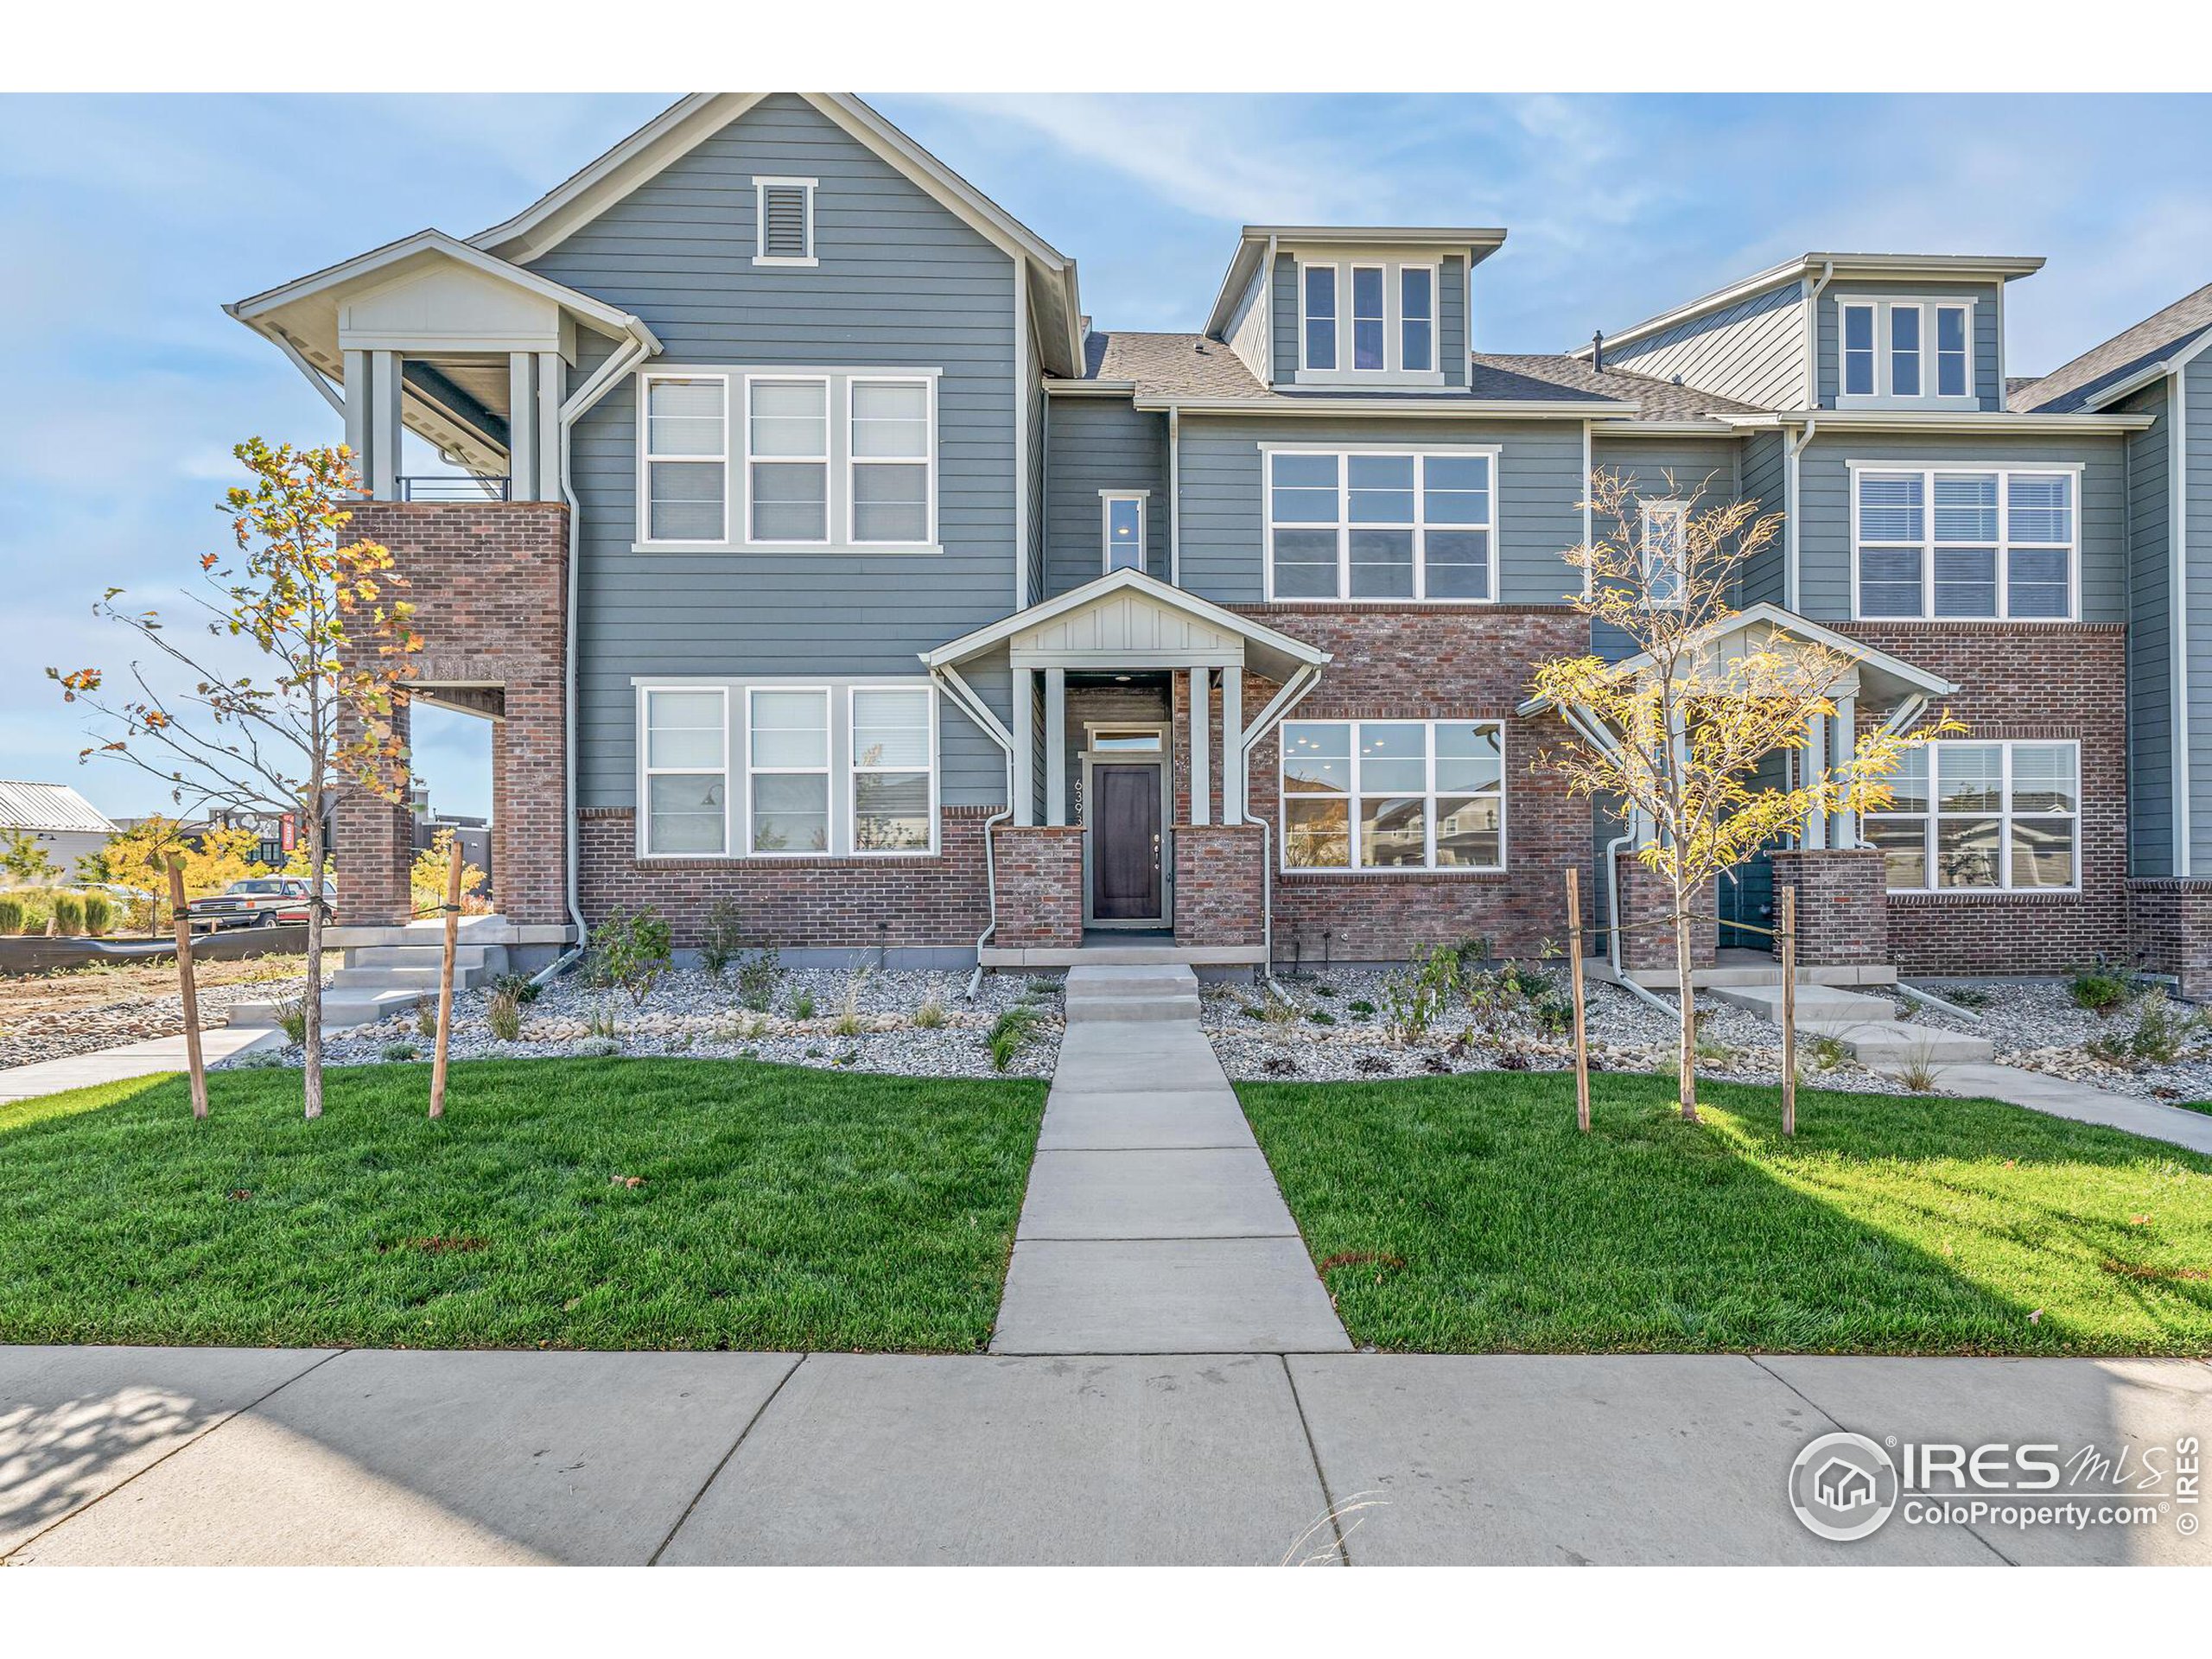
[[1150, 991], [1868, 1027], [395, 972]]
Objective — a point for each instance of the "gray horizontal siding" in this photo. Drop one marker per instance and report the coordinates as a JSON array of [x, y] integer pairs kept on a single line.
[[2150, 639], [1250, 330], [1988, 347], [1699, 469], [1765, 582], [1224, 520], [1102, 444], [901, 283], [1824, 508], [1452, 325], [1752, 350]]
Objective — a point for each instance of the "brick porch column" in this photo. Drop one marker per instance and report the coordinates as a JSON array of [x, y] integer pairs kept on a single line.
[[1647, 942], [1217, 877], [1040, 872], [373, 843], [2170, 930], [1843, 907]]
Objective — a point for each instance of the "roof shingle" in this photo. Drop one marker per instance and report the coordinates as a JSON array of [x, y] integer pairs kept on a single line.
[[2159, 335]]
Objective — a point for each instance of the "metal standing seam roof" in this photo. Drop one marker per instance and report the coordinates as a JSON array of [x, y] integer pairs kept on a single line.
[[50, 808]]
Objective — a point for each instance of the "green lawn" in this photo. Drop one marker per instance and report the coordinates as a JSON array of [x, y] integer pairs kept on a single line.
[[1467, 1215], [778, 1207]]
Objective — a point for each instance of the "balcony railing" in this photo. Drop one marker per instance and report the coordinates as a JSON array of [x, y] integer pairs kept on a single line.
[[452, 486]]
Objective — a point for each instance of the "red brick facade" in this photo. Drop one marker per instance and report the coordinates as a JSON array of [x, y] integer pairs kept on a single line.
[[1842, 913], [1040, 884], [1219, 869], [489, 584], [2025, 680], [1430, 663], [2170, 931], [1647, 921]]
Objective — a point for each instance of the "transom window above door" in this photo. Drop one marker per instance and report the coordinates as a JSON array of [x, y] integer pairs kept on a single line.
[[1361, 523], [1369, 320], [1905, 352]]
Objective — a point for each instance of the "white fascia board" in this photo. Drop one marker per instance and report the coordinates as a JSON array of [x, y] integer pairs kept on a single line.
[[2001, 422], [2157, 371], [1429, 408]]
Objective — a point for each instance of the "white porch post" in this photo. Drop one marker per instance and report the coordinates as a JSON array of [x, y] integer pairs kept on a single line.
[[385, 426], [1842, 742], [1232, 743], [1813, 760], [357, 413], [522, 428], [1056, 746], [1201, 719], [552, 388], [1025, 747]]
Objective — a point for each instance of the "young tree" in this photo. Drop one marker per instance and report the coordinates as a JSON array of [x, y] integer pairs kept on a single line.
[[322, 610], [139, 857], [1674, 734], [24, 862], [427, 877]]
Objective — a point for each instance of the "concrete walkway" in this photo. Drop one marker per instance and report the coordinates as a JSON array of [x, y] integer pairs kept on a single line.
[[1152, 1225], [213, 1456], [2039, 1091], [149, 1058]]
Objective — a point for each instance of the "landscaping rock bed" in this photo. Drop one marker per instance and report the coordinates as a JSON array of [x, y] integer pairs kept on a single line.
[[1351, 1039], [862, 1020], [2037, 1026], [50, 1019]]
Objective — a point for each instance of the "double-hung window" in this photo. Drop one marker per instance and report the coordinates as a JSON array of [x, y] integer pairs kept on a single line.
[[1369, 325], [1993, 817], [686, 772], [892, 744], [1121, 529], [1394, 794], [787, 770], [1964, 543], [891, 445], [1416, 318], [1320, 331], [1665, 552], [1906, 350], [1381, 523], [1368, 321], [686, 458], [787, 459]]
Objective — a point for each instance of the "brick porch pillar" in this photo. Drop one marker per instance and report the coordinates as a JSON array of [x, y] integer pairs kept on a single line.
[[1039, 874], [2170, 930], [373, 839], [1217, 877], [1843, 906], [1647, 941]]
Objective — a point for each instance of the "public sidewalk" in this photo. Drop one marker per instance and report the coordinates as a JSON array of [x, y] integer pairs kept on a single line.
[[2039, 1091], [210, 1456], [143, 1060]]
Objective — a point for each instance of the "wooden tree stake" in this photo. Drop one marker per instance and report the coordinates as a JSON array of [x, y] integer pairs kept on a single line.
[[1574, 973], [1789, 942], [181, 915], [445, 983]]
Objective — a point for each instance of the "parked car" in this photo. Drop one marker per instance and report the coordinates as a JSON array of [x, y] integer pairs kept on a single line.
[[297, 911], [258, 901]]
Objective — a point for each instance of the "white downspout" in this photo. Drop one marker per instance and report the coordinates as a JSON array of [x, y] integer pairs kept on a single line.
[[1306, 677], [1174, 496], [963, 695], [1793, 448]]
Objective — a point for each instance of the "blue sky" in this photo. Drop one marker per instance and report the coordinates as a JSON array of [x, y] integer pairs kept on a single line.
[[129, 221]]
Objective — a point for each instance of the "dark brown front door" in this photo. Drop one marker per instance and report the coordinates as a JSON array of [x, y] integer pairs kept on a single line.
[[1125, 842]]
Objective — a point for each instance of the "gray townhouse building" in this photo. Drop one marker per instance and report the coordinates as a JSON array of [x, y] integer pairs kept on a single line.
[[815, 552]]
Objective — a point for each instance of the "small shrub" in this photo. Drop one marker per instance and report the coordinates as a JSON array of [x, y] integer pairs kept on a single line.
[[847, 1024], [1918, 1073], [1711, 1051], [1828, 1052], [1043, 988], [1279, 1065], [1360, 1008], [2161, 1034], [1013, 1029], [426, 1016], [2100, 988], [605, 1019], [597, 1047], [503, 1014], [521, 987], [99, 913], [1473, 952], [1373, 1065], [742, 1029], [802, 1006], [930, 1015], [11, 915], [723, 940], [261, 1059], [38, 909], [1324, 990], [292, 1021], [398, 1052], [631, 951], [1413, 998], [1320, 1017], [1276, 1011], [69, 914], [1966, 996]]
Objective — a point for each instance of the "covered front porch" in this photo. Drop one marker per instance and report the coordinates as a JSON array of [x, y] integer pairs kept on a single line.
[[1128, 837]]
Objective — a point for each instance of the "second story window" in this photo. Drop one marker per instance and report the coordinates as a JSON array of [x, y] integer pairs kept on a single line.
[[1367, 321], [890, 449], [1895, 351], [1320, 316], [1348, 524], [787, 460], [686, 458], [783, 221], [1964, 543], [1370, 327], [1417, 318], [1121, 529], [1665, 552]]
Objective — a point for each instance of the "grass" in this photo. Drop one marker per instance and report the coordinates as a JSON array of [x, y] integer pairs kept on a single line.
[[775, 1207], [1467, 1215]]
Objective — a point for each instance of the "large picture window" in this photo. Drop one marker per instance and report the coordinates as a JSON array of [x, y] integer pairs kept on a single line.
[[2000, 816], [1380, 524], [1393, 795], [686, 772], [1964, 543]]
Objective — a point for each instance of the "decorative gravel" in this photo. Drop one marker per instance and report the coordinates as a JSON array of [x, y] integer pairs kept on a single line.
[[862, 1020], [1625, 1033], [57, 1033], [2036, 1025]]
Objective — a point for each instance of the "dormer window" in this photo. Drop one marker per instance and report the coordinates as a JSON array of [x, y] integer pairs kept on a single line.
[[1367, 321], [784, 222], [1905, 351]]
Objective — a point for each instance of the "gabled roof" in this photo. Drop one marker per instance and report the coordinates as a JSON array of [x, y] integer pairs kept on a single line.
[[689, 122], [1268, 641], [2135, 356], [1476, 242], [1498, 375], [49, 808]]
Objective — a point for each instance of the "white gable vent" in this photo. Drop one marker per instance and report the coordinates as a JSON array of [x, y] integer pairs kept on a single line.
[[785, 213]]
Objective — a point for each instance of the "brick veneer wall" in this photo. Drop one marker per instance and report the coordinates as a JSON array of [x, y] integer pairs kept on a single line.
[[1842, 916], [1647, 930], [2025, 681], [489, 584], [1218, 869], [1040, 884], [2171, 930], [822, 903], [1430, 663]]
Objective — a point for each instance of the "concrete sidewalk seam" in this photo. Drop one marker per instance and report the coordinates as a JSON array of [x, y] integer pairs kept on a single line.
[[136, 1474], [715, 1474], [1328, 1497]]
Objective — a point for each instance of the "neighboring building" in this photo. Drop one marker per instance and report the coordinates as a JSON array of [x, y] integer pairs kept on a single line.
[[906, 611], [472, 834], [62, 822]]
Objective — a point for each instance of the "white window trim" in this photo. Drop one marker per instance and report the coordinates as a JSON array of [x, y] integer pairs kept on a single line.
[[1393, 371], [737, 491], [852, 769], [646, 457], [2004, 815], [761, 185], [2002, 470], [1882, 397], [646, 771], [826, 461], [1284, 792], [1343, 526], [827, 771], [855, 462], [1653, 511], [1106, 500]]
